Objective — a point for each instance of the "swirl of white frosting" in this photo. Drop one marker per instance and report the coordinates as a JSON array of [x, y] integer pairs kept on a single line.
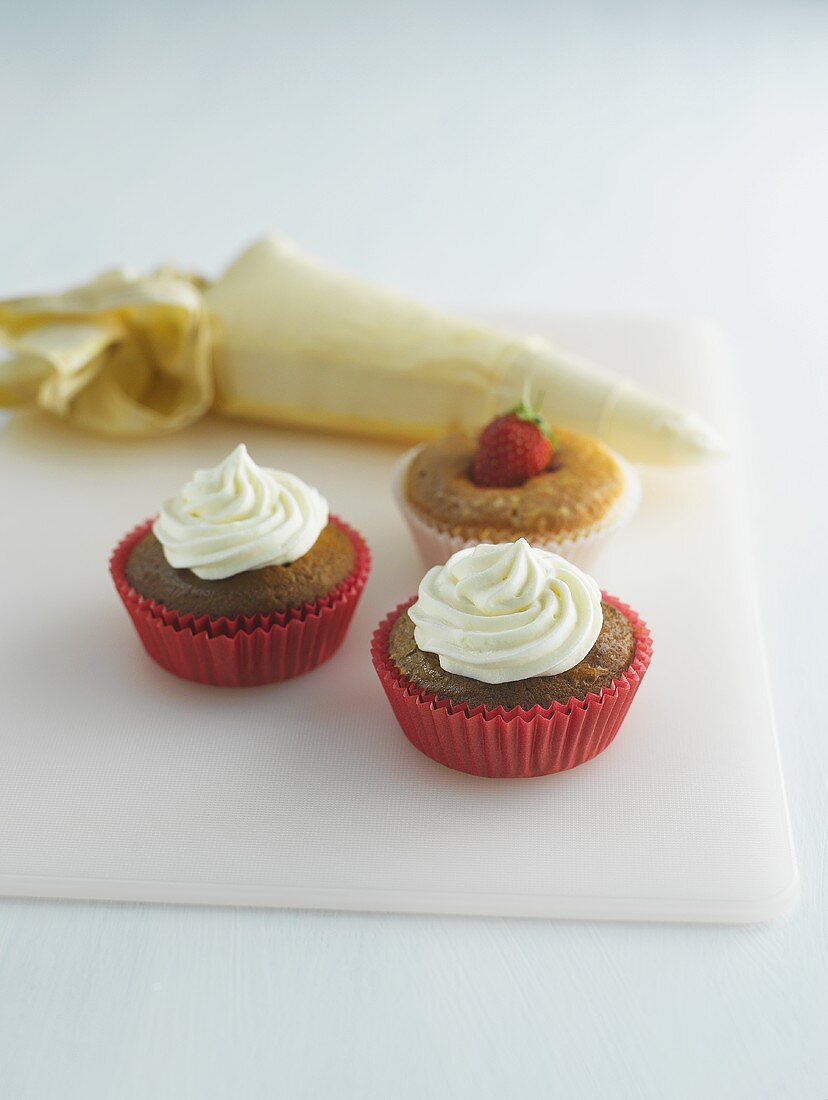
[[506, 612], [239, 516]]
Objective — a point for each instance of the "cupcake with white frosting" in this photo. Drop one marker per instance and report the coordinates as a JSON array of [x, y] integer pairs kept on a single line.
[[510, 662], [243, 578]]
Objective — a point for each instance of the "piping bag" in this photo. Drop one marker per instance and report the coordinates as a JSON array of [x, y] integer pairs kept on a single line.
[[279, 338]]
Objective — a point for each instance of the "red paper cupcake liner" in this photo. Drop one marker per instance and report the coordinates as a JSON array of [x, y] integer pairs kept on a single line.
[[517, 743], [251, 649]]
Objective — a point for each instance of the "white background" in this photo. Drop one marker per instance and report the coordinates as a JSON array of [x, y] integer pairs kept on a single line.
[[635, 158]]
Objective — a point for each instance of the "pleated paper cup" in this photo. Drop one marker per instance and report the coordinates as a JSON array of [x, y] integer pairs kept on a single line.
[[249, 650], [582, 548], [518, 743]]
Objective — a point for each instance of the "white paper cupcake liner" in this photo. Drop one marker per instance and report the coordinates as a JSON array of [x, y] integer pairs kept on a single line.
[[582, 548]]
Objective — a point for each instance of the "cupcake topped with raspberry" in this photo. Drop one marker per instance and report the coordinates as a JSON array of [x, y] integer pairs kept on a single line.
[[243, 578], [561, 490]]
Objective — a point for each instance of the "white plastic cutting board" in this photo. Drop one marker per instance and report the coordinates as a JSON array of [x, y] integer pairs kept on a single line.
[[119, 781]]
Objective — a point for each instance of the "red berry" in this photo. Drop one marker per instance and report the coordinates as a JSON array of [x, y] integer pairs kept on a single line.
[[512, 449]]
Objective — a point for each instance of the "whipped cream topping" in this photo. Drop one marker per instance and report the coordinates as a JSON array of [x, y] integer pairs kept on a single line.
[[506, 612], [239, 516]]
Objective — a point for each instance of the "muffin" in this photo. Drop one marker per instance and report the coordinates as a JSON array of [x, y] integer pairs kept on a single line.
[[510, 662], [243, 578], [561, 490]]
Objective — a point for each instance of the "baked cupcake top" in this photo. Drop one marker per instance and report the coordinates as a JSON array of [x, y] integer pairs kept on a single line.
[[510, 625], [240, 539], [580, 486]]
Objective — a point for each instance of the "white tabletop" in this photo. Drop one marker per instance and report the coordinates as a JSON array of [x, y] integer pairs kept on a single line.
[[518, 155]]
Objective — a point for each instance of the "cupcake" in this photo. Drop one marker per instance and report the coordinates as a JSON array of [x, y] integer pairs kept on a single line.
[[510, 662], [244, 578], [563, 491]]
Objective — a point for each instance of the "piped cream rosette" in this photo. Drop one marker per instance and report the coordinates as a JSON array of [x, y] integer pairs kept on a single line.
[[499, 613], [237, 517]]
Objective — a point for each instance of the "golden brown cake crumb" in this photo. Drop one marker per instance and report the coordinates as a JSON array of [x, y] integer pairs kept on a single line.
[[611, 655], [579, 491], [258, 592]]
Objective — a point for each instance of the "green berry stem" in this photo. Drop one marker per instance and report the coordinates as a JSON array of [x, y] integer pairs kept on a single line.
[[530, 412]]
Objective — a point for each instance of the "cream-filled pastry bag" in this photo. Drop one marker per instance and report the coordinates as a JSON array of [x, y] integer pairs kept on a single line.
[[282, 339]]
